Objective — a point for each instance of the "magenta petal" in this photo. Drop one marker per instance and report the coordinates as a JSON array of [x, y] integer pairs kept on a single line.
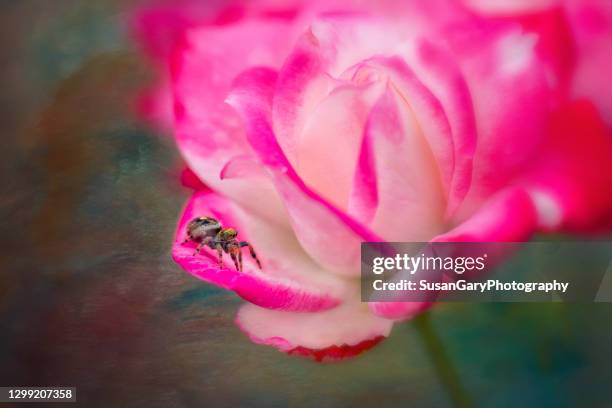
[[332, 335], [327, 234], [289, 279], [363, 200], [158, 27], [591, 24], [571, 182], [511, 100], [191, 180]]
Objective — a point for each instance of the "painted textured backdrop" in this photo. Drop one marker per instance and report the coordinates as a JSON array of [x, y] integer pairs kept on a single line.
[[89, 296]]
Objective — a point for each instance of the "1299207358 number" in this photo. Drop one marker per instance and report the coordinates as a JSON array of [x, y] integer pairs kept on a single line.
[[37, 394]]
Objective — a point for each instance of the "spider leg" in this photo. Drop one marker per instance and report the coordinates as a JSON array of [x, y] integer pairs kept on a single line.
[[204, 242], [239, 257], [234, 251], [219, 249], [252, 251]]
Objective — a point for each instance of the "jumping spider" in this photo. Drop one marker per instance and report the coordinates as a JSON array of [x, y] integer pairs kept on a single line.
[[208, 231]]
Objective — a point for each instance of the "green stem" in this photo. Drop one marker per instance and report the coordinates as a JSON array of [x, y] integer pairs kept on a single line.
[[443, 366]]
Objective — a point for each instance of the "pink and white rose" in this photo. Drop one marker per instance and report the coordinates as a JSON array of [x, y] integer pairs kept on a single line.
[[320, 125]]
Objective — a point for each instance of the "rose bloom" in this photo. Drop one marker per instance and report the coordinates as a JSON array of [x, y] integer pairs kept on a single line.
[[316, 126]]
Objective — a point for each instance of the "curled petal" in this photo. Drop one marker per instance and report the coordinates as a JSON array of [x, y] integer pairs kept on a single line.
[[242, 166], [333, 335], [191, 180], [289, 280]]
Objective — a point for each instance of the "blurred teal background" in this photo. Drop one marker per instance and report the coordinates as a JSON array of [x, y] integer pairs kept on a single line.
[[89, 296]]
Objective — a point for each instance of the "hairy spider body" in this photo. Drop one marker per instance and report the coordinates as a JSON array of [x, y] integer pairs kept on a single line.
[[207, 231]]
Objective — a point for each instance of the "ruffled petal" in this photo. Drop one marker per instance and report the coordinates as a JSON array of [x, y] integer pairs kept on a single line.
[[333, 335], [289, 280]]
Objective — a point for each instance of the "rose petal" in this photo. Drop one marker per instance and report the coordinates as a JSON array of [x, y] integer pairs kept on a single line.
[[158, 27], [399, 311], [242, 166], [591, 24], [327, 234], [571, 183], [191, 180], [512, 100], [345, 46], [556, 44], [332, 335], [289, 280], [328, 146], [208, 132], [409, 195], [333, 43], [302, 84], [449, 91], [510, 216], [512, 7]]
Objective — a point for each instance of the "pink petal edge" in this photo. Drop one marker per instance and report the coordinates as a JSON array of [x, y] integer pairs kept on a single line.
[[274, 287]]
